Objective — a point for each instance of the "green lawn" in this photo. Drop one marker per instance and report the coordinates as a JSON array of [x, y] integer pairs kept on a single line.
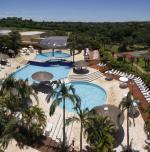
[[142, 65]]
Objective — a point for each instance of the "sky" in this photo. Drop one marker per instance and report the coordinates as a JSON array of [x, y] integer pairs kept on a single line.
[[77, 10]]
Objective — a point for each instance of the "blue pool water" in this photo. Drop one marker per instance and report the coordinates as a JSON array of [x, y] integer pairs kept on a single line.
[[43, 56], [91, 95], [59, 71]]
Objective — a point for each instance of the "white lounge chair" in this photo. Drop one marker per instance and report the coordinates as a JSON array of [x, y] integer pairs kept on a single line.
[[120, 73], [117, 72], [126, 75], [131, 77], [144, 90]]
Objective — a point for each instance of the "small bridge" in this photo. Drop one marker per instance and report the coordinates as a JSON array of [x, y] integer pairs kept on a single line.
[[47, 59]]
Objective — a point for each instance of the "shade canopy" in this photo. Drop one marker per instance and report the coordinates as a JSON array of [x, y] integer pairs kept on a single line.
[[111, 111], [80, 64], [42, 76], [54, 42], [123, 79]]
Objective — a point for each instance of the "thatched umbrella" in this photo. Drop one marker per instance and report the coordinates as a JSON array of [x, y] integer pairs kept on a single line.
[[42, 76], [111, 111], [80, 64]]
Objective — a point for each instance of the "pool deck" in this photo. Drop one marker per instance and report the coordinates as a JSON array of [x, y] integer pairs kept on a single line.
[[16, 63], [114, 96]]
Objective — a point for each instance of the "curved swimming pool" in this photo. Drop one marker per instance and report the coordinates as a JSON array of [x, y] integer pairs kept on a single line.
[[91, 95], [59, 71]]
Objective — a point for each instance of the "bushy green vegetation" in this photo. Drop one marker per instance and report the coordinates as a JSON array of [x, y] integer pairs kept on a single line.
[[11, 41], [124, 34], [19, 119]]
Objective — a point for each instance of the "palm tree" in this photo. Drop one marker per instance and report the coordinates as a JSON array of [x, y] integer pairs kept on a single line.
[[82, 117], [18, 88], [23, 129], [100, 132], [127, 105], [34, 119], [13, 101], [60, 94]]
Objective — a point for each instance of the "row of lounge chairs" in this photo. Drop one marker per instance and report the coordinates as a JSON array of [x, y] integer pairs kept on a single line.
[[121, 74], [101, 64], [143, 88], [139, 82]]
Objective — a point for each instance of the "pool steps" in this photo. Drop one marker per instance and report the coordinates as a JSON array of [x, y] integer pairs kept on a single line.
[[86, 77]]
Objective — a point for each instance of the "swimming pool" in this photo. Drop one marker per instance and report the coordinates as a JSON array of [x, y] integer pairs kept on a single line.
[[57, 54], [58, 71], [91, 95]]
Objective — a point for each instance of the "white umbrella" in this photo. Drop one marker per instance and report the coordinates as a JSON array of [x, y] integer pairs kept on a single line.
[[95, 54], [87, 51], [123, 79], [109, 72]]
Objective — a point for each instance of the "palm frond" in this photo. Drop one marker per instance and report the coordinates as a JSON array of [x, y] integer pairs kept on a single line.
[[54, 104], [71, 120]]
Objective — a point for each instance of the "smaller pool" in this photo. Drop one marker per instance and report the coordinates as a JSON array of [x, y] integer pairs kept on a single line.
[[91, 95], [58, 54]]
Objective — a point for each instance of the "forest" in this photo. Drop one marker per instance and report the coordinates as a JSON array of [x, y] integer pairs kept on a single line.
[[91, 34]]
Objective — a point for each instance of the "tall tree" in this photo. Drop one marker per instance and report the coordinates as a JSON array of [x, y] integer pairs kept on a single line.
[[82, 118], [60, 95], [15, 41], [19, 121], [127, 105], [19, 88]]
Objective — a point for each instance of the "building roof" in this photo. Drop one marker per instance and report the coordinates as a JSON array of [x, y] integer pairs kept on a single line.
[[4, 32], [54, 41], [31, 33]]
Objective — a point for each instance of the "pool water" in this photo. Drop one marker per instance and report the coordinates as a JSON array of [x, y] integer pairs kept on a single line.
[[58, 71], [59, 54], [91, 95]]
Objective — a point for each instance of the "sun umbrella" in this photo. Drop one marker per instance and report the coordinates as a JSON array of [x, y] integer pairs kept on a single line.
[[111, 111], [42, 76], [123, 79]]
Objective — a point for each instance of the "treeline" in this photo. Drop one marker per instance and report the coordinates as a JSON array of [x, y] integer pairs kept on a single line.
[[124, 33]]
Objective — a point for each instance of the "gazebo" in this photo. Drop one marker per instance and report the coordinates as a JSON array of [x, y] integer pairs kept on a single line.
[[81, 67], [117, 118], [111, 111], [54, 42]]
